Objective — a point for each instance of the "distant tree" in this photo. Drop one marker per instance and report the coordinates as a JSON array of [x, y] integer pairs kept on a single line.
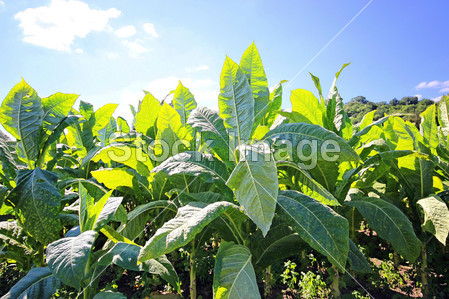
[[360, 99], [394, 102], [409, 101]]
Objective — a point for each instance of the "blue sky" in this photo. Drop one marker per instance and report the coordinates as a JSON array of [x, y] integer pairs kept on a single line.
[[109, 50]]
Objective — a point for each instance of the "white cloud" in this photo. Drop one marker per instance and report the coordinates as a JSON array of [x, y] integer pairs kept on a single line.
[[2, 3], [57, 25], [197, 69], [126, 31], [149, 28], [79, 51], [437, 99], [419, 96], [135, 47], [443, 86], [112, 55]]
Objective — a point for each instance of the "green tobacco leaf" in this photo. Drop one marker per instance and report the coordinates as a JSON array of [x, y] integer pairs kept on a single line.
[[125, 255], [56, 107], [251, 66], [94, 216], [127, 154], [390, 224], [212, 129], [322, 228], [236, 101], [234, 275], [357, 260], [429, 127], [113, 177], [443, 115], [183, 102], [122, 125], [103, 117], [67, 257], [317, 83], [366, 120], [139, 216], [145, 120], [307, 105], [38, 283], [195, 164], [21, 115], [8, 165], [255, 185], [179, 231], [171, 130], [274, 105], [309, 186], [299, 132], [436, 217], [333, 89], [342, 121], [280, 243], [37, 203]]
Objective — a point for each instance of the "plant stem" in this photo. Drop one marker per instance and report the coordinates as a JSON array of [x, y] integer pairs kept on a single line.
[[268, 278], [40, 256], [335, 286], [425, 283], [192, 272]]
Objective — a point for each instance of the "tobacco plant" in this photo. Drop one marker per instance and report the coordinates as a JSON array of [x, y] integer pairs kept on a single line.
[[82, 190]]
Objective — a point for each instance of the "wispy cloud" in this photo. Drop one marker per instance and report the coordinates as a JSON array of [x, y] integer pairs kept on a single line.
[[135, 47], [2, 3], [150, 29], [437, 99], [126, 31], [197, 69], [443, 86], [56, 25]]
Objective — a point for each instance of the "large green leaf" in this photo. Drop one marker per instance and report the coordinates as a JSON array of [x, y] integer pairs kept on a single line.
[[67, 257], [357, 260], [127, 154], [390, 224], [8, 165], [307, 105], [252, 67], [317, 224], [280, 243], [274, 105], [308, 185], [212, 129], [145, 120], [37, 204], [114, 177], [234, 275], [301, 132], [255, 184], [170, 130], [195, 164], [236, 101], [125, 255], [436, 217], [56, 107], [443, 115], [94, 216], [183, 102], [103, 117], [179, 231], [21, 115], [38, 283], [429, 127]]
